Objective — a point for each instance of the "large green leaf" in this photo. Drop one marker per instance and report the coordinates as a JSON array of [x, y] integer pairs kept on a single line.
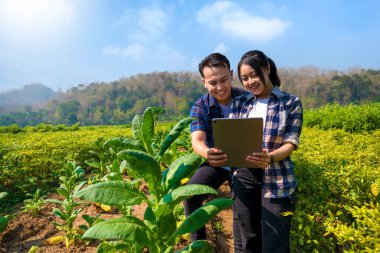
[[113, 247], [164, 212], [179, 169], [173, 135], [202, 215], [166, 227], [199, 246], [113, 193], [125, 143], [127, 228], [147, 128], [136, 128], [184, 192], [150, 219], [143, 165]]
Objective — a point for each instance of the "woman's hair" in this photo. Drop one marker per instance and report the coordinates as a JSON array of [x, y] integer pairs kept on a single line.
[[214, 60], [258, 60]]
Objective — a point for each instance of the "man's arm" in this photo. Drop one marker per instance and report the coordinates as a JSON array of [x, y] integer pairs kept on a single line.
[[215, 157]]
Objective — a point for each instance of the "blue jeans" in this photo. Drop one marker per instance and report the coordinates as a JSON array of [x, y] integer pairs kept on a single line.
[[205, 175], [259, 225]]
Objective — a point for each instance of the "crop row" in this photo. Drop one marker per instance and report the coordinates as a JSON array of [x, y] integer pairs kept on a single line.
[[339, 182], [351, 118], [338, 173], [31, 160]]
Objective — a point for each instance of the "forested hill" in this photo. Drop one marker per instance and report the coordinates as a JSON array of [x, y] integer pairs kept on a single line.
[[119, 101], [30, 94]]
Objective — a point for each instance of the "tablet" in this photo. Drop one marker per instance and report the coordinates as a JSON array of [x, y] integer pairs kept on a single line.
[[238, 138]]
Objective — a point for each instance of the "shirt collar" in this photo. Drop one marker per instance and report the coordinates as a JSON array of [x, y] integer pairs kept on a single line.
[[276, 91], [212, 101]]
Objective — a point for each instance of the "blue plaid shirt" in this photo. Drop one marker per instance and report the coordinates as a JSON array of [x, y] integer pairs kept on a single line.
[[283, 125], [207, 108]]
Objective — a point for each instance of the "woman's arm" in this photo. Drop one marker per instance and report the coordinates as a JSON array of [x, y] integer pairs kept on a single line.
[[263, 159]]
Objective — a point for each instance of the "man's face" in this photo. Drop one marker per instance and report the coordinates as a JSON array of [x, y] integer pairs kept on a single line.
[[217, 80]]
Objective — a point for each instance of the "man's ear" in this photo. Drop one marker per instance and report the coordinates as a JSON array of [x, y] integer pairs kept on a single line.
[[232, 74], [203, 81]]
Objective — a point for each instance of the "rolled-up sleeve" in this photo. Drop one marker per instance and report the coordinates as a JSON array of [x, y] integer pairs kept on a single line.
[[198, 123], [294, 123]]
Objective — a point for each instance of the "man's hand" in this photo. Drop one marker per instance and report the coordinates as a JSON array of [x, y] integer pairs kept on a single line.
[[216, 157]]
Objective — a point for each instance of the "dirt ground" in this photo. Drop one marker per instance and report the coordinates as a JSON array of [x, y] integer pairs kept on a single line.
[[25, 231]]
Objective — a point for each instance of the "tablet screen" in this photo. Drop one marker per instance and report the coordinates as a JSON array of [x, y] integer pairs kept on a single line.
[[238, 138]]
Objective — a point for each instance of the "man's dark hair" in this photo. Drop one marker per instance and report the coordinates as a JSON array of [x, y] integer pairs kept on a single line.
[[214, 60]]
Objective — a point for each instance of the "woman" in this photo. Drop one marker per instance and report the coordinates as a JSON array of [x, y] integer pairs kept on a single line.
[[265, 194]]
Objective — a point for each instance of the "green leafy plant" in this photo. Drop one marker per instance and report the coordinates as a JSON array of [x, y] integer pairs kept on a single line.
[[338, 192], [362, 233], [4, 220], [90, 221], [158, 230], [34, 204], [69, 209]]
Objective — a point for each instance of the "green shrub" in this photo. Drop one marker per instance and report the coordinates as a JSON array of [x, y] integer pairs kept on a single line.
[[338, 172], [34, 160], [351, 118]]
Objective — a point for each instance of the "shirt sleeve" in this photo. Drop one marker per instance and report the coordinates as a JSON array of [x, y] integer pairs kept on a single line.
[[294, 122], [197, 113]]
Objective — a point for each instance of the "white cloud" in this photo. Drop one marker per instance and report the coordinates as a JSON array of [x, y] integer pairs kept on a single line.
[[221, 48], [234, 21], [169, 56], [134, 51], [147, 23], [146, 31]]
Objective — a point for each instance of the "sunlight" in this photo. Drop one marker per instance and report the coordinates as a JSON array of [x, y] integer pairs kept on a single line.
[[34, 18]]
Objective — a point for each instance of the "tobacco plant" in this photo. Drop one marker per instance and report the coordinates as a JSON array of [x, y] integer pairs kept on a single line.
[[69, 209], [158, 230], [34, 204]]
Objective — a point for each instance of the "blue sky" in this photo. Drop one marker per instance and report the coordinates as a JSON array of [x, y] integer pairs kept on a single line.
[[63, 43]]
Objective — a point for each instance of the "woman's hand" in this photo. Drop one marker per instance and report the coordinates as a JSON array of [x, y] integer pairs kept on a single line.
[[216, 157], [259, 159]]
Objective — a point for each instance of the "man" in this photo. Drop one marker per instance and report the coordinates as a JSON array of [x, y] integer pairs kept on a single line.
[[219, 102]]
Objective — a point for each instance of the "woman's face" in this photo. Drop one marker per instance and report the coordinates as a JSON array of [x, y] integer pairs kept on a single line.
[[251, 81]]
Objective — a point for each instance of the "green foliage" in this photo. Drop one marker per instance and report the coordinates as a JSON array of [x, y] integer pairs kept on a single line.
[[351, 118], [197, 247], [14, 129], [3, 220], [33, 160], [338, 175], [90, 221], [165, 146], [118, 102], [362, 233], [69, 209], [158, 230], [41, 127], [34, 204]]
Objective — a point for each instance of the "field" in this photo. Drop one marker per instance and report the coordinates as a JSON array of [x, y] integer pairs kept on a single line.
[[337, 168]]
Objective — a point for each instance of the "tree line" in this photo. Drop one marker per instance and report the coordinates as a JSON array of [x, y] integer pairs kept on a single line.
[[117, 102]]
